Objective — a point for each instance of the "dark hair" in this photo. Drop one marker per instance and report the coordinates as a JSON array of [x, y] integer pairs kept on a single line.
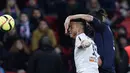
[[83, 22], [99, 14], [13, 49], [44, 21], [122, 27], [24, 13], [36, 9], [119, 43], [40, 10]]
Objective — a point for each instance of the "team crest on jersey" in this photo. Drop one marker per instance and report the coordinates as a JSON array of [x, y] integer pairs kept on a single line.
[[92, 59]]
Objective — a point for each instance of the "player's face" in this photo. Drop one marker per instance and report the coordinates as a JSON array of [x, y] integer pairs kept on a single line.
[[73, 29]]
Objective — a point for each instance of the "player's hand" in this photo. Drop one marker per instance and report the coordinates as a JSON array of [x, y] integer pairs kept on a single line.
[[66, 24]]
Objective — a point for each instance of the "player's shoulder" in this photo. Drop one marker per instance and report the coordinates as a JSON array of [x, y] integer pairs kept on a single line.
[[82, 36]]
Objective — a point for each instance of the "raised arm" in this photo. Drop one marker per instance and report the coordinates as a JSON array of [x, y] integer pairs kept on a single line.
[[83, 16], [89, 18]]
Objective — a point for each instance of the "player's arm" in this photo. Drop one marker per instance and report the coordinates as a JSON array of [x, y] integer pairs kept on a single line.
[[89, 18], [84, 43], [83, 16]]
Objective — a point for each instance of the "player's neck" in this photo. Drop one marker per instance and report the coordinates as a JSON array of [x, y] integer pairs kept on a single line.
[[80, 32]]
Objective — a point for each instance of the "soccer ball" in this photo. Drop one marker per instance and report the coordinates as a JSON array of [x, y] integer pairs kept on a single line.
[[7, 22]]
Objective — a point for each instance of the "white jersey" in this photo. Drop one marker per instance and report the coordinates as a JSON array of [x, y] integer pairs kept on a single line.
[[86, 59]]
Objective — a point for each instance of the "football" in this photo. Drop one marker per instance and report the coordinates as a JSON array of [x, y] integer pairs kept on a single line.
[[7, 22]]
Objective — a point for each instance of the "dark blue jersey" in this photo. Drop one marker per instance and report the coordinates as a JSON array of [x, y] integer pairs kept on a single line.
[[105, 45]]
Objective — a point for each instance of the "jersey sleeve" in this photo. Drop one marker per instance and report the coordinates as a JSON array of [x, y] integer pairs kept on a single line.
[[82, 42]]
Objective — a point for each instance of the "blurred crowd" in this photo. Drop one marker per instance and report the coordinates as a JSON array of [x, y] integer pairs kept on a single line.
[[37, 18]]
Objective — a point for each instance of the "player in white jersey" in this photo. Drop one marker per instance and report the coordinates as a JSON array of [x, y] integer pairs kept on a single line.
[[85, 53]]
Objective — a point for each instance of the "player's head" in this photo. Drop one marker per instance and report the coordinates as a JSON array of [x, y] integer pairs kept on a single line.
[[76, 27]]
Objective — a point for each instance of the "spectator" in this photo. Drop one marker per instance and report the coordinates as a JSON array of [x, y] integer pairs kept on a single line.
[[125, 23], [30, 6], [3, 56], [48, 5], [123, 7], [43, 29], [23, 28], [9, 38], [122, 63], [2, 70], [122, 41], [19, 54], [12, 8], [93, 6], [128, 3], [36, 16], [45, 59], [109, 6], [121, 31], [118, 17]]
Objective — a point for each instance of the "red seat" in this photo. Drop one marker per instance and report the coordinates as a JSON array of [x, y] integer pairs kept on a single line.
[[127, 49], [10, 72], [52, 21], [66, 51], [126, 24]]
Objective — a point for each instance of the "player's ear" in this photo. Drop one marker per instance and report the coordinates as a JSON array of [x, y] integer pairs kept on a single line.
[[103, 12]]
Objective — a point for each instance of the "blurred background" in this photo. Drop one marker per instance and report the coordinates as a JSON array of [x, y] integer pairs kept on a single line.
[[37, 18]]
